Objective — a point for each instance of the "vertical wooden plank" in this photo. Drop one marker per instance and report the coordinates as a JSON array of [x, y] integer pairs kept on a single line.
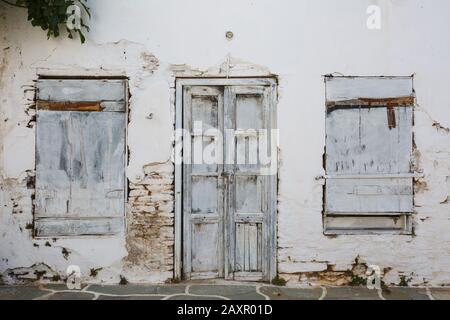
[[250, 191], [187, 234], [260, 245], [53, 164], [229, 155], [246, 248], [221, 188], [178, 183], [270, 231], [239, 253], [203, 186], [253, 247]]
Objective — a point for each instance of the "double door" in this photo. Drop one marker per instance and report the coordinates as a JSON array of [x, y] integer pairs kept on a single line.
[[229, 181]]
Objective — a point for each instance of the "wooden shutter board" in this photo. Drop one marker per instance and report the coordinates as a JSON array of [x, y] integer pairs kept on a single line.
[[368, 89], [88, 106], [372, 102], [51, 227], [68, 106], [81, 90], [70, 218], [375, 214]]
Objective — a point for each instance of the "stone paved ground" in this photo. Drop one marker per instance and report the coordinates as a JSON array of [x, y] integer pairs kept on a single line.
[[216, 292]]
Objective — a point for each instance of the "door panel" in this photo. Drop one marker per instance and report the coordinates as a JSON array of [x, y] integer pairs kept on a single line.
[[228, 200], [247, 113], [204, 195], [205, 245], [248, 247], [203, 185], [248, 194]]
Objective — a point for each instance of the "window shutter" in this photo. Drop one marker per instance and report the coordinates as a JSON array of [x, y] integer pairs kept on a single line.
[[369, 185], [80, 157]]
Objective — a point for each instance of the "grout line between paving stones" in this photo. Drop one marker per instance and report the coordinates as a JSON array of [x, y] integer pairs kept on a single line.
[[258, 291], [429, 294], [324, 293], [380, 294], [96, 295], [187, 293]]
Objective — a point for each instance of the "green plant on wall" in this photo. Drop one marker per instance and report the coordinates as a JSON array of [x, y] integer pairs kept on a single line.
[[51, 15]]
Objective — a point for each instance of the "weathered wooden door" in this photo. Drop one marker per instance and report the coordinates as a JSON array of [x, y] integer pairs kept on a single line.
[[228, 187]]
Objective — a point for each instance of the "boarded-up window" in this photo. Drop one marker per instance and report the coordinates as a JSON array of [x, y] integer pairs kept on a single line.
[[80, 157], [369, 178]]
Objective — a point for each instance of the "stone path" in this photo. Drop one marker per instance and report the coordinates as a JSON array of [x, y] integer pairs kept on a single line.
[[216, 292]]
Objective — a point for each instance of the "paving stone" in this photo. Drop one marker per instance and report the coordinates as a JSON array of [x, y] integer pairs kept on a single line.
[[138, 289], [280, 293], [75, 295], [351, 293], [188, 297], [441, 293], [60, 286], [130, 298], [405, 294], [234, 292], [21, 293]]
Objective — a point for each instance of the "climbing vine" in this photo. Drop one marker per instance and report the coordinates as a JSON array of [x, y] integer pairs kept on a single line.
[[51, 15]]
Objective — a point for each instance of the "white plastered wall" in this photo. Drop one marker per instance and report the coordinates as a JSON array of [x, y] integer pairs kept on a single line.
[[151, 42]]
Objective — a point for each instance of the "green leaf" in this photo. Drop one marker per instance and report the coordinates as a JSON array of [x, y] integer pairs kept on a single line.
[[50, 15]]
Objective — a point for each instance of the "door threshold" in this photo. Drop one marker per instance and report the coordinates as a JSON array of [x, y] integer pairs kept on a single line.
[[223, 282]]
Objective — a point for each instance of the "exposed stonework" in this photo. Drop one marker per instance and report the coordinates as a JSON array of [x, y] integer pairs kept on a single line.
[[150, 220]]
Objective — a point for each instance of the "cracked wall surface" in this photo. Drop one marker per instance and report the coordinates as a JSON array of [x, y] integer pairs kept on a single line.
[[303, 41]]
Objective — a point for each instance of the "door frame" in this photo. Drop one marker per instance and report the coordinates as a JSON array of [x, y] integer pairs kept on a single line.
[[178, 151]]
